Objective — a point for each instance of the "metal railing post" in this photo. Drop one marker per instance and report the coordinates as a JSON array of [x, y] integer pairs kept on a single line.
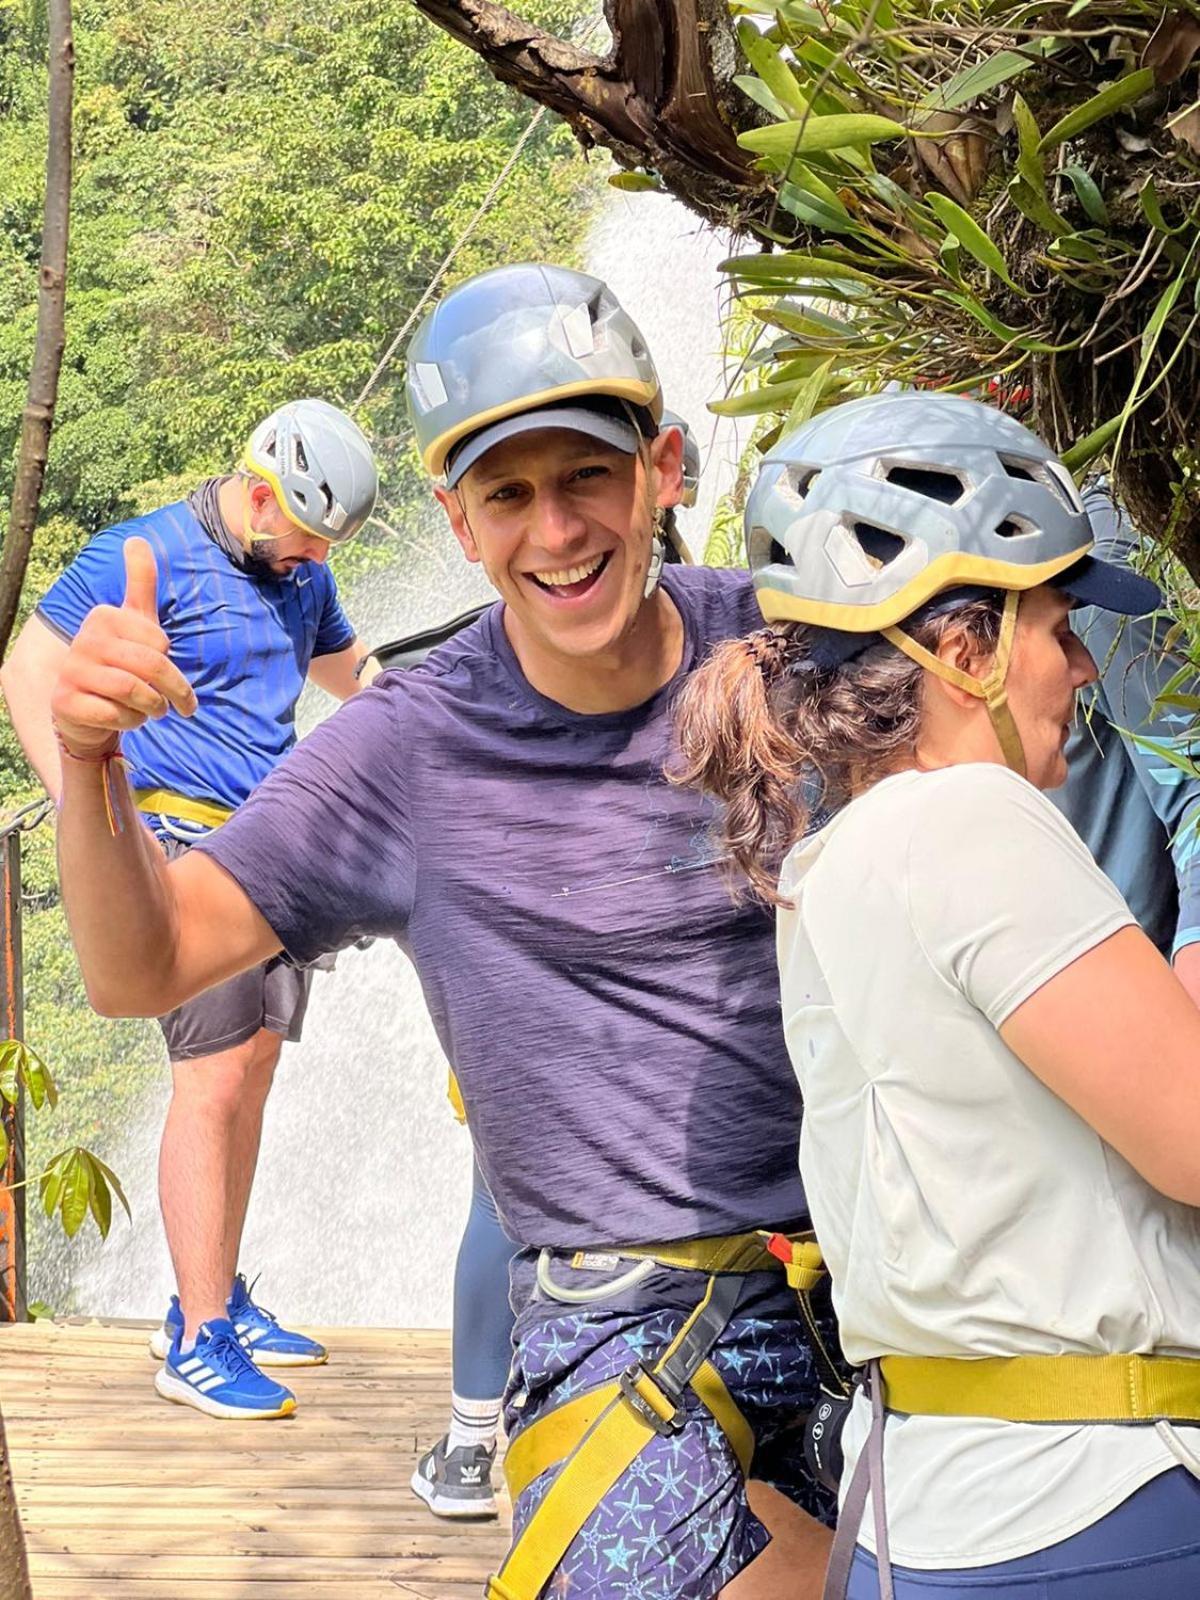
[[12, 1026]]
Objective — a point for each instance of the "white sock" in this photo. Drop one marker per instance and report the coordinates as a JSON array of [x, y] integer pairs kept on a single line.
[[472, 1422]]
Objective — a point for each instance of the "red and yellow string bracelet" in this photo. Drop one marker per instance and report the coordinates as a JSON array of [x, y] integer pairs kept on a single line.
[[105, 759]]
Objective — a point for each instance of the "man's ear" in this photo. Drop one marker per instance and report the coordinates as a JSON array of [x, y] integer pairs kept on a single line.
[[666, 464], [261, 495], [452, 505]]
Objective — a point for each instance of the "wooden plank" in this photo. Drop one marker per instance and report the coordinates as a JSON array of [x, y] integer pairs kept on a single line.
[[125, 1496]]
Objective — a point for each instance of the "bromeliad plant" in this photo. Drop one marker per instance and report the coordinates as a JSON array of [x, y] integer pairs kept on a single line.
[[975, 196]]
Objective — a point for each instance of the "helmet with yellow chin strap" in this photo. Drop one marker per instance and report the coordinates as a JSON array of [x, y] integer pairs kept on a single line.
[[871, 513], [319, 466]]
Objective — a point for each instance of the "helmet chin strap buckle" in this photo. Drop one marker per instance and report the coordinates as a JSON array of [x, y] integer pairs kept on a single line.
[[658, 554]]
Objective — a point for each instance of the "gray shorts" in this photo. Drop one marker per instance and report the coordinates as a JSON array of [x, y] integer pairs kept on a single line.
[[272, 996]]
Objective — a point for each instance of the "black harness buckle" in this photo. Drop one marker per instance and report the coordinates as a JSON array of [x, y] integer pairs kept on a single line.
[[664, 1426]]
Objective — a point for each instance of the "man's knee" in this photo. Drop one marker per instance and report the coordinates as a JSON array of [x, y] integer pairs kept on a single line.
[[225, 1083]]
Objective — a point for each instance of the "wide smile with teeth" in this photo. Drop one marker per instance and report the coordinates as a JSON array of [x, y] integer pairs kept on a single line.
[[572, 580]]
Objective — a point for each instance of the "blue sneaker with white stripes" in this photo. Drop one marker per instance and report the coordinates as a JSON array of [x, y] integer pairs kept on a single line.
[[219, 1378], [260, 1333]]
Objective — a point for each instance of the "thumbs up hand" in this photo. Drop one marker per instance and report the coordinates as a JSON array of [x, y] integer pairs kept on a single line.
[[117, 673]]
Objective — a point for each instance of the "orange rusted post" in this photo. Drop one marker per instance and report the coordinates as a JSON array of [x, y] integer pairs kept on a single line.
[[12, 1022]]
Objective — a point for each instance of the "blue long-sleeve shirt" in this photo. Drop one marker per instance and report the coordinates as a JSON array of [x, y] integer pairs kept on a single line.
[[1137, 813]]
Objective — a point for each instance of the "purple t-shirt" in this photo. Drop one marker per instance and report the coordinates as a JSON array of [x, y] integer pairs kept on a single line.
[[612, 1016]]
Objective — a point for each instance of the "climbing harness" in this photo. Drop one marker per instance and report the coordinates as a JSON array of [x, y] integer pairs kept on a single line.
[[165, 804], [597, 1436]]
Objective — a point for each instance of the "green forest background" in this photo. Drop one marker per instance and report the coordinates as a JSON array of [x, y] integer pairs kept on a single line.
[[260, 199]]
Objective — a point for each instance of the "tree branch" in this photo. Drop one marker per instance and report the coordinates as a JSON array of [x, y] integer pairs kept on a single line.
[[42, 393], [662, 98]]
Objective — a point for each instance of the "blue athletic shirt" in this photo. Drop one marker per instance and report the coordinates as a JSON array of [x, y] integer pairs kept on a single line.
[[243, 641], [612, 1015]]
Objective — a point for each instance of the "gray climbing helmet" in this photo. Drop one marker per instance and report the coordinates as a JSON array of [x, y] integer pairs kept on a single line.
[[506, 345], [691, 457], [864, 513], [319, 465]]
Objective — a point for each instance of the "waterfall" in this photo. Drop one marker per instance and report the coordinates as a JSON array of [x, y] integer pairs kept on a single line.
[[363, 1179]]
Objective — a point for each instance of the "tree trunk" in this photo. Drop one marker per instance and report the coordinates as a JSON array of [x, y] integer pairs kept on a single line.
[[38, 415], [663, 98]]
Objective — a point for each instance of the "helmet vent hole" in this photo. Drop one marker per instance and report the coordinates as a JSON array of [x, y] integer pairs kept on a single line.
[[301, 458], [804, 482], [934, 484], [1015, 528], [880, 547], [777, 555], [1018, 469]]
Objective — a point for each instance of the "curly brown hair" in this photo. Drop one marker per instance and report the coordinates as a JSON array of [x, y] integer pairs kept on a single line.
[[776, 736]]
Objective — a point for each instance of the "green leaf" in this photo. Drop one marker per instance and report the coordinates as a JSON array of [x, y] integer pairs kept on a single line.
[[1185, 702], [1074, 247], [10, 1064], [772, 69], [971, 236], [1111, 98], [76, 1193], [1030, 165], [769, 397], [815, 211], [808, 397], [1153, 212], [813, 133], [39, 1311], [1033, 204], [38, 1080], [3, 1148], [113, 1182], [99, 1198], [1088, 194], [635, 182], [51, 1183], [974, 82], [790, 267], [1087, 449], [761, 95]]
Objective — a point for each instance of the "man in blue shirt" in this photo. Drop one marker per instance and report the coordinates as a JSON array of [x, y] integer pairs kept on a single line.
[[248, 609]]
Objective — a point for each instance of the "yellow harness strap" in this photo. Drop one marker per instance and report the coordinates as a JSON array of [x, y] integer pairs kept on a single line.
[[1045, 1388], [732, 1252], [454, 1095], [205, 812], [991, 689], [599, 1435]]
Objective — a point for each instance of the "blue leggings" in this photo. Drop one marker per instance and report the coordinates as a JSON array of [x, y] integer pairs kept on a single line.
[[483, 1319], [1148, 1548]]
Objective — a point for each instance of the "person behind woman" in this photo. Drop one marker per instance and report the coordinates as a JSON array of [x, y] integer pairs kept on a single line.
[[1001, 1074]]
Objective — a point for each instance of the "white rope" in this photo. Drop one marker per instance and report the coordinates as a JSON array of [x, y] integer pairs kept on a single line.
[[481, 211]]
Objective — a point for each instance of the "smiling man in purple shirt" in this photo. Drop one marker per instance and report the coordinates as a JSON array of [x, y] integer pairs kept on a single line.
[[501, 812]]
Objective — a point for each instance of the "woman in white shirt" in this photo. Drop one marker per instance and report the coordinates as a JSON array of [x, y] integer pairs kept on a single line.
[[1001, 1074]]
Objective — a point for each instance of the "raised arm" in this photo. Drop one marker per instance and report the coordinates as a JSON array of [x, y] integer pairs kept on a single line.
[[28, 677], [148, 935]]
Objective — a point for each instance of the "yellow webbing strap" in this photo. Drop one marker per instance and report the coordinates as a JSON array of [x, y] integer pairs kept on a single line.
[[1045, 1388], [553, 1436], [991, 689], [606, 1443], [205, 812], [454, 1095], [731, 1252]]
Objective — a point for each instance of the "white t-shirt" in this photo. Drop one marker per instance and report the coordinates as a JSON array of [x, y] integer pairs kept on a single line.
[[963, 1208]]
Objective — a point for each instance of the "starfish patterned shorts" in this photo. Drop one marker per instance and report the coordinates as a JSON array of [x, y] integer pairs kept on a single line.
[[677, 1525]]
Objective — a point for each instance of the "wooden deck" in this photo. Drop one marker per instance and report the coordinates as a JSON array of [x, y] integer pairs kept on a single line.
[[125, 1497]]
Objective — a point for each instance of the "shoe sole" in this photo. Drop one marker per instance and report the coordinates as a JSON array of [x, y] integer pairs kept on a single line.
[[453, 1510], [160, 1344], [182, 1393]]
